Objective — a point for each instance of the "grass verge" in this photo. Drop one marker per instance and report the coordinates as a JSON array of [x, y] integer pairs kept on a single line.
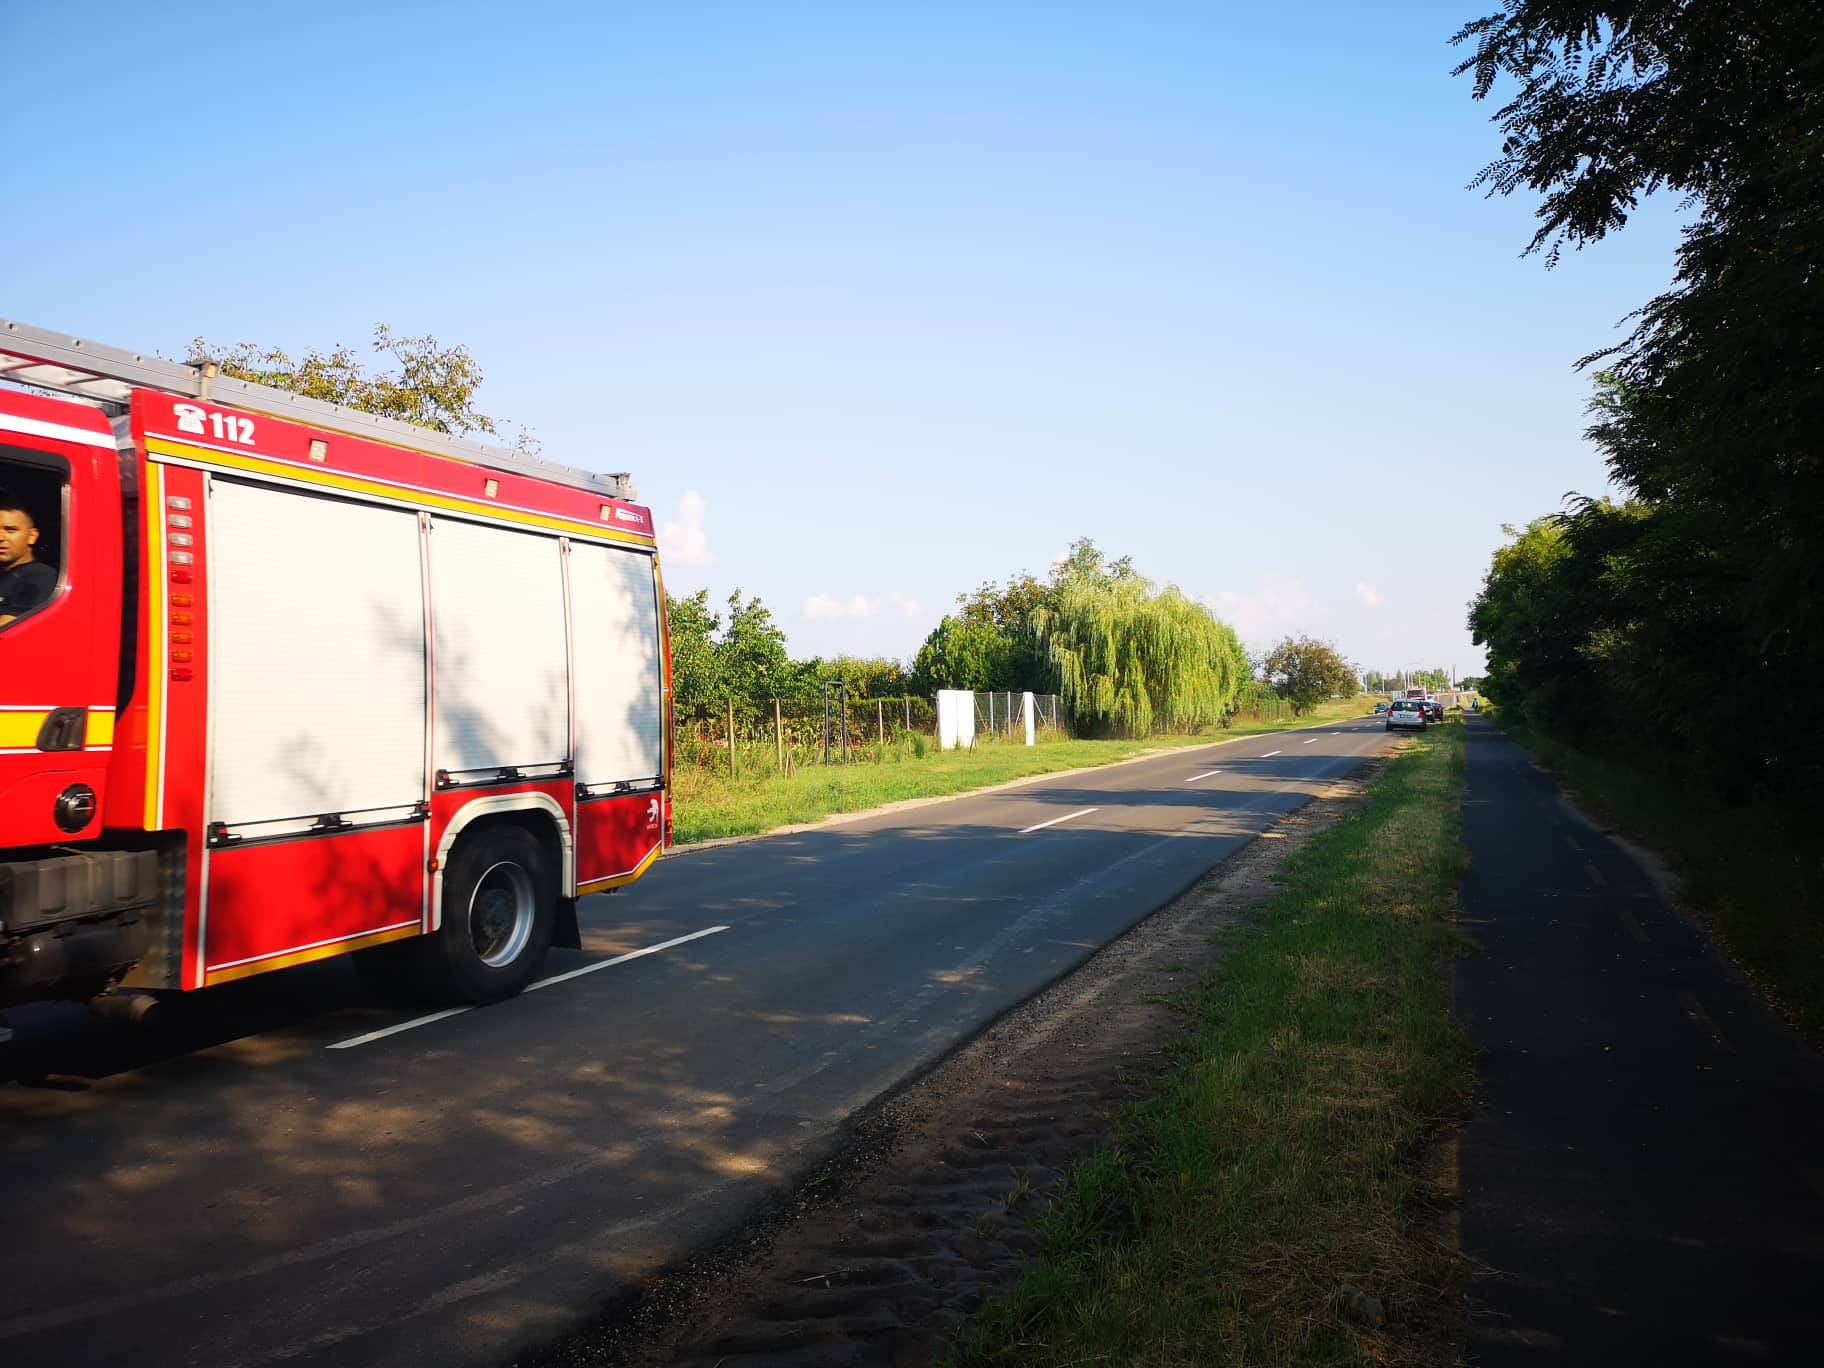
[[1751, 871], [1258, 1208], [706, 805]]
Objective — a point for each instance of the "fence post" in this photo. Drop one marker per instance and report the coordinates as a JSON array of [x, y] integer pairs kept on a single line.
[[733, 765], [880, 722], [908, 703], [779, 736]]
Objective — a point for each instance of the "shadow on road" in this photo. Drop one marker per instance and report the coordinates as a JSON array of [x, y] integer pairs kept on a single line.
[[472, 1186]]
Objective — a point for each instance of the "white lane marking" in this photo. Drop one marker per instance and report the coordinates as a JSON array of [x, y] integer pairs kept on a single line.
[[1309, 742], [622, 959], [1055, 820], [353, 1041], [1205, 775], [1270, 754], [415, 1022]]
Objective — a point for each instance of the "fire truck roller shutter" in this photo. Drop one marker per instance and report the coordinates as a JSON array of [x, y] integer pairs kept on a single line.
[[497, 611], [317, 656], [615, 627]]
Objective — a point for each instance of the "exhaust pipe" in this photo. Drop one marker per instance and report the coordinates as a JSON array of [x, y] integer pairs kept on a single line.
[[129, 1005]]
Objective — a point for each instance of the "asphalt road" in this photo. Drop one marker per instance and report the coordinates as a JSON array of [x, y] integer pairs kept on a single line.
[[287, 1178], [1643, 1178]]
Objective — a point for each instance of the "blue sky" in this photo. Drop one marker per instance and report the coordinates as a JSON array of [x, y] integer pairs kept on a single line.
[[876, 302]]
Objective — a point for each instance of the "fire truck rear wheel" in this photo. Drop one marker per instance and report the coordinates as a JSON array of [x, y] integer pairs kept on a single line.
[[499, 906]]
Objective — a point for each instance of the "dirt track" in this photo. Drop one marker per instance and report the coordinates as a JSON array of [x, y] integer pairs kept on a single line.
[[926, 1210]]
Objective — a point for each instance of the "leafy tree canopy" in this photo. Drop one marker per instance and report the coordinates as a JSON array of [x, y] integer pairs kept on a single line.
[[1611, 101], [1710, 413], [1307, 671], [1130, 660], [963, 654], [871, 678], [993, 642], [696, 681], [431, 385], [752, 662]]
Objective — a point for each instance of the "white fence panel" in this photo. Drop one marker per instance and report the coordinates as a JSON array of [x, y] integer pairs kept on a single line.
[[955, 719]]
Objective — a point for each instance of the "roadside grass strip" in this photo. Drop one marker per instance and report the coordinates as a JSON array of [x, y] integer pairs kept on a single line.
[[707, 805], [1268, 1204]]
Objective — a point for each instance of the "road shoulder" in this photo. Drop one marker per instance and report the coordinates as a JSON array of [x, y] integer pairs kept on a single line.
[[1640, 1179], [927, 1207]]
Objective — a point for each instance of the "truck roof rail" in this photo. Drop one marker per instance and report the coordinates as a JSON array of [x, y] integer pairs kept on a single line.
[[89, 370]]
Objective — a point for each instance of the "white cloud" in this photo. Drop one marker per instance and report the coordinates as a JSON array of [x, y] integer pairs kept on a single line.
[[1368, 594], [830, 608], [1275, 608], [684, 540], [827, 607]]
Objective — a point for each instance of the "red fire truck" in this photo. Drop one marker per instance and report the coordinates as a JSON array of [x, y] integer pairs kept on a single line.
[[310, 682]]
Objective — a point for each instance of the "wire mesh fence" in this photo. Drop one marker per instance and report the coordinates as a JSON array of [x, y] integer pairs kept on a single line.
[[781, 736], [1003, 713]]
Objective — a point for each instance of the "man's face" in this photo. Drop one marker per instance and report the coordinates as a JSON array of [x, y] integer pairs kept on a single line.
[[18, 535]]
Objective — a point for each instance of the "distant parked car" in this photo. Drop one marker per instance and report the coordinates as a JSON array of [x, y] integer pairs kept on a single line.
[[1409, 713], [1434, 710], [1380, 707]]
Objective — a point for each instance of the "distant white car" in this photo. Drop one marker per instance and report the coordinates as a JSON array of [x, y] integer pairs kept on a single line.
[[1407, 712]]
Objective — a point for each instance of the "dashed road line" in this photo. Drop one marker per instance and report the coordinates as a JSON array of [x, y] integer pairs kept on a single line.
[[1695, 1011], [1205, 775], [372, 1036], [622, 959], [449, 1012], [1055, 820]]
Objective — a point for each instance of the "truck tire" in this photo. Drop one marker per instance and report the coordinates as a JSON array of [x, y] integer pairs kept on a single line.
[[499, 906]]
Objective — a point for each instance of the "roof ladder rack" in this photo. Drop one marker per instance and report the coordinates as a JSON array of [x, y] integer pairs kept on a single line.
[[88, 370]]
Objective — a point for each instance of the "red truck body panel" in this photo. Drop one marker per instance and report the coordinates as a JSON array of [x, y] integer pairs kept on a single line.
[[63, 655], [138, 576]]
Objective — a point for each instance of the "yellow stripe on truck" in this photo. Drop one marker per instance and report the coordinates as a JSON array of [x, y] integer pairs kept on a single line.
[[19, 730], [417, 498], [284, 960]]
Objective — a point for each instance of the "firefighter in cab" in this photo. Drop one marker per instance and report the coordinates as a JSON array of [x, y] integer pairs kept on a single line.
[[25, 581]]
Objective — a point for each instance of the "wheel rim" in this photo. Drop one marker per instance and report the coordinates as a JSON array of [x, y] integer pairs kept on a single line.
[[501, 912]]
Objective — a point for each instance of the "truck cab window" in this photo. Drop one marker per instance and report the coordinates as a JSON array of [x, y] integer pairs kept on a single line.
[[31, 532]]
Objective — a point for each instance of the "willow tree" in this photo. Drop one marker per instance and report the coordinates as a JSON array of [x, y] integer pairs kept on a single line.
[[1130, 660]]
